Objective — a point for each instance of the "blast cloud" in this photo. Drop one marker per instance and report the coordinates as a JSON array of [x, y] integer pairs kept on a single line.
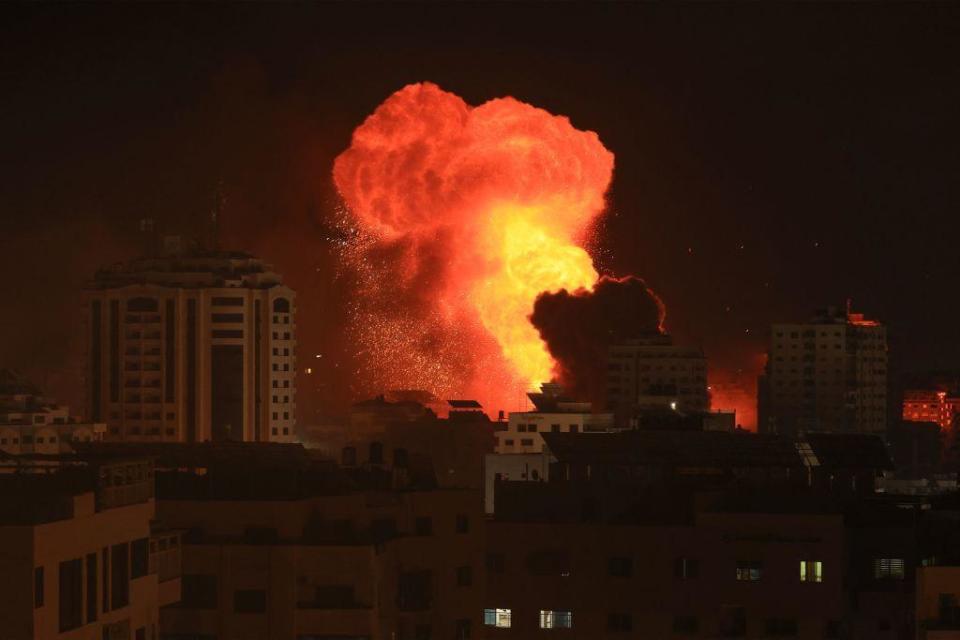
[[579, 326]]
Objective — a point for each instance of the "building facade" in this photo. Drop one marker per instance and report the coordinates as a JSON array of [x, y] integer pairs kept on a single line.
[[31, 423], [191, 346], [79, 558], [828, 374], [654, 373], [931, 405]]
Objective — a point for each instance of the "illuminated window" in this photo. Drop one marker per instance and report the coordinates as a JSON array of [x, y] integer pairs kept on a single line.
[[749, 570], [888, 568], [556, 619], [497, 618], [811, 571]]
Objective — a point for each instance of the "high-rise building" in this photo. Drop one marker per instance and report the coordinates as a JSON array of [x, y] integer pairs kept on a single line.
[[654, 373], [191, 345], [828, 374]]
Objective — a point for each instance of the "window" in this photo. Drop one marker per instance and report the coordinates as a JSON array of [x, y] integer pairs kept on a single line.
[[620, 622], [71, 594], [415, 591], [526, 442], [749, 570], [686, 568], [226, 333], [227, 302], [811, 571], [119, 576], [138, 558], [228, 317], [780, 627], [556, 619], [250, 601], [140, 634], [199, 591], [574, 428], [555, 428], [508, 443], [463, 630], [620, 567], [424, 526], [464, 576], [497, 618], [888, 568], [105, 578], [686, 625], [522, 428], [733, 622], [463, 523], [531, 428], [91, 587], [38, 587]]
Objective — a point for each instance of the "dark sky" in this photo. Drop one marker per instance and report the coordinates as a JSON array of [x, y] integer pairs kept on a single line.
[[769, 159]]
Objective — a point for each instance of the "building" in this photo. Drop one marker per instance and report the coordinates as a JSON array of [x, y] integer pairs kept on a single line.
[[191, 345], [931, 405], [654, 373], [77, 554], [31, 423], [828, 374], [553, 413], [281, 545]]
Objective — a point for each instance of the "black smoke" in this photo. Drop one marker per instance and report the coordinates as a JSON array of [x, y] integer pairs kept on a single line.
[[579, 327]]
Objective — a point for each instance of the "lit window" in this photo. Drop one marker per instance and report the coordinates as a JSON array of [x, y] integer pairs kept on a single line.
[[811, 571], [749, 570], [556, 619], [888, 568], [497, 618]]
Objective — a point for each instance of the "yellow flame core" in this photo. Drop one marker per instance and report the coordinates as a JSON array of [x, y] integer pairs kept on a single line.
[[528, 256]]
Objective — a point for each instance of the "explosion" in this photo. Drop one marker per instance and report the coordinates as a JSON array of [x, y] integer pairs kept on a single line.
[[465, 216]]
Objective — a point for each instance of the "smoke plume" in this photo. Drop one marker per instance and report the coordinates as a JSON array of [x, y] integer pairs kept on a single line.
[[578, 328]]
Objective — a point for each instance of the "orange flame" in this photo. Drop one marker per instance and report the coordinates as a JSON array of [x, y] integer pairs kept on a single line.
[[481, 209]]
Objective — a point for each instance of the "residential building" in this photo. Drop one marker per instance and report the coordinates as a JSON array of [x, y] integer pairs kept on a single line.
[[31, 423], [191, 345], [828, 374], [281, 545], [553, 413], [654, 373], [931, 405], [77, 554]]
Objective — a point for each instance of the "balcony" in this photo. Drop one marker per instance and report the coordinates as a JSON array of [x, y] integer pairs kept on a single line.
[[165, 562]]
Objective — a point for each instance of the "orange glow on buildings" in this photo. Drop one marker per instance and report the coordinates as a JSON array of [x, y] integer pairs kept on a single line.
[[921, 405]]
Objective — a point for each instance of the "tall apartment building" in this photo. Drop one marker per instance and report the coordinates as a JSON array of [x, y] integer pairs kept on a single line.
[[654, 373], [828, 374], [189, 346]]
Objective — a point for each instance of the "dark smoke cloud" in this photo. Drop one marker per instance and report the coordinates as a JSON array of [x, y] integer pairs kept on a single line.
[[578, 328]]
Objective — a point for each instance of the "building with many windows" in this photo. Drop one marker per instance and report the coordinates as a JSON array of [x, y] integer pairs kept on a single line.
[[828, 374], [191, 345], [653, 373], [31, 423], [931, 405]]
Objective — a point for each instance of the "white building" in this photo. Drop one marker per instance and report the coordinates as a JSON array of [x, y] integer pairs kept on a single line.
[[30, 423], [554, 414], [190, 346]]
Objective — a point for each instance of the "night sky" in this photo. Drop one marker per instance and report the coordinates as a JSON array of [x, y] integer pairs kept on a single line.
[[769, 159]]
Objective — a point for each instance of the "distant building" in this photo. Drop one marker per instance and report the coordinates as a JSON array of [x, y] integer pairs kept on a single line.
[[191, 345], [654, 373], [828, 374], [553, 413], [78, 556], [30, 423], [931, 405]]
